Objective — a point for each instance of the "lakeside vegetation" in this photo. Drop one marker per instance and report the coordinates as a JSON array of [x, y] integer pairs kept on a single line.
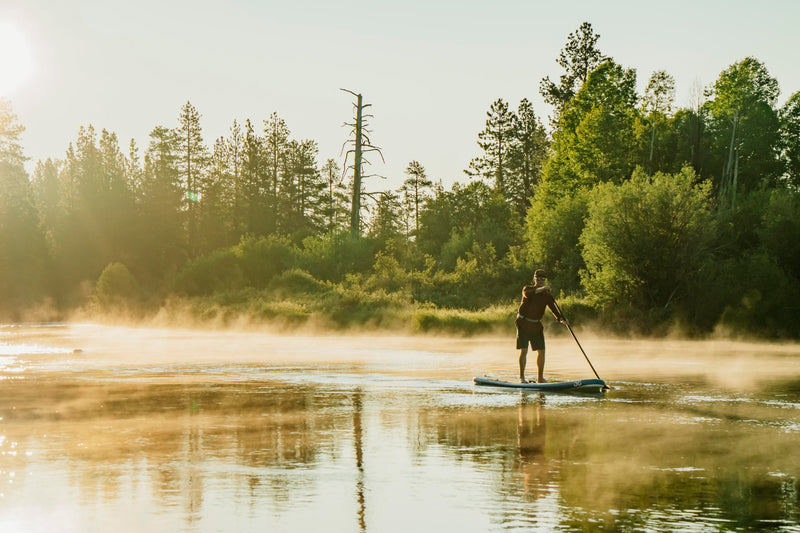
[[649, 218]]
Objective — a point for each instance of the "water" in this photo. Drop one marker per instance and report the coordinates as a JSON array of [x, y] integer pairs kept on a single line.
[[116, 429]]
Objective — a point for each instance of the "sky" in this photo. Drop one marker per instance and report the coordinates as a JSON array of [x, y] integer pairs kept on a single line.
[[429, 68]]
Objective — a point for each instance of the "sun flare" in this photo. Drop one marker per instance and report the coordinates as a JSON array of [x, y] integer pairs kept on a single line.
[[16, 59]]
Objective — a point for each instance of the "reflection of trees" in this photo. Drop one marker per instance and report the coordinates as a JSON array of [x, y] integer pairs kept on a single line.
[[620, 466], [103, 432], [358, 442]]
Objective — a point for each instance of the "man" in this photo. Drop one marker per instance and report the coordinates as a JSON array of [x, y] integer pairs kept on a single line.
[[529, 322]]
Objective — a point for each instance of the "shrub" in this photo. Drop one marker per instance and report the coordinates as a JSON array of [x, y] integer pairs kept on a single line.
[[645, 240], [264, 258], [552, 235], [218, 271], [116, 287], [296, 282], [333, 256]]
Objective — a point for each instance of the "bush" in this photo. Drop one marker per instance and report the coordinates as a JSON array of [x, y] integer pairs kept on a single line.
[[296, 282], [552, 235], [333, 256], [218, 271], [117, 287], [765, 299], [645, 240], [264, 258]]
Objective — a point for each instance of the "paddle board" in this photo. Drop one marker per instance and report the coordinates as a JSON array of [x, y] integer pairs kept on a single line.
[[582, 385]]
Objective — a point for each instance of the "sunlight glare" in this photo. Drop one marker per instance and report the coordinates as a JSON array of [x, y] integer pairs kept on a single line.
[[16, 59]]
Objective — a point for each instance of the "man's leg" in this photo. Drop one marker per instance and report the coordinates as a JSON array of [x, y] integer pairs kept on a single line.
[[523, 360], [540, 364]]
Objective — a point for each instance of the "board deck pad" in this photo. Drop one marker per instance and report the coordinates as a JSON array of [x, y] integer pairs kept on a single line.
[[581, 385]]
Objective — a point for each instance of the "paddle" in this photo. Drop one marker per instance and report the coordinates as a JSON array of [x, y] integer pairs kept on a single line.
[[576, 340]]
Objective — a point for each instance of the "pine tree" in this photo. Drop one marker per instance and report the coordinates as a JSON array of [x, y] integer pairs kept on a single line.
[[333, 198], [579, 57], [528, 154], [236, 157], [415, 190], [161, 239], [257, 201], [192, 159], [23, 251], [495, 140]]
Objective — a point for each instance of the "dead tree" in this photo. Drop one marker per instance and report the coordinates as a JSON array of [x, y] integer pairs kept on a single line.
[[360, 144]]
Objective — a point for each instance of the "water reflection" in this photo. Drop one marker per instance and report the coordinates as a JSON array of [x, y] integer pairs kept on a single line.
[[238, 448]]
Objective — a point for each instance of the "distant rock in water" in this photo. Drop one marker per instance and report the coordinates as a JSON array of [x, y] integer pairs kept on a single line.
[[77, 350]]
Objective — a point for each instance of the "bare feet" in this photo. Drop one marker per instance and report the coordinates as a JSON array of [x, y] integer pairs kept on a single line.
[[523, 380], [542, 380]]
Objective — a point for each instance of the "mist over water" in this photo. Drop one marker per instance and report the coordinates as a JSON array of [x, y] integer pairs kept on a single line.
[[112, 428]]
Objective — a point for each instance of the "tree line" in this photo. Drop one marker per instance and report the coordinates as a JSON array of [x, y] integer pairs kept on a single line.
[[646, 214]]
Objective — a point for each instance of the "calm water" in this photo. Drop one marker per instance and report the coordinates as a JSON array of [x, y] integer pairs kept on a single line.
[[159, 430]]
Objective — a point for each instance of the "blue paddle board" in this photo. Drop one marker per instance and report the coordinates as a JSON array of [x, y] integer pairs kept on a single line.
[[582, 385]]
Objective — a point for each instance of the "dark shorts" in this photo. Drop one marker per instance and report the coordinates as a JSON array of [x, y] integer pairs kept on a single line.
[[535, 338]]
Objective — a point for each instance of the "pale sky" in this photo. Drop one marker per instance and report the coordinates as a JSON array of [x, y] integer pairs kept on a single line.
[[430, 69]]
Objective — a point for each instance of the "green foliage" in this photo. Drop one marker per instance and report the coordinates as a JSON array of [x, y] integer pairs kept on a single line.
[[467, 213], [334, 255], [117, 287], [765, 299], [595, 139], [493, 319], [790, 139], [578, 58], [219, 271], [261, 259], [294, 282], [645, 240], [23, 249], [744, 128], [552, 234]]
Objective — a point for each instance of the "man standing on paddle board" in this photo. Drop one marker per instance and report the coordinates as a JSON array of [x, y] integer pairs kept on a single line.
[[529, 322]]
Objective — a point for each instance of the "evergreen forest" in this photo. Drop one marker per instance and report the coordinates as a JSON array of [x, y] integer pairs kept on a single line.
[[649, 218]]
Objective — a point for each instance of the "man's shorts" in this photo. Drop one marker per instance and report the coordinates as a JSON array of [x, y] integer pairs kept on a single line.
[[535, 338]]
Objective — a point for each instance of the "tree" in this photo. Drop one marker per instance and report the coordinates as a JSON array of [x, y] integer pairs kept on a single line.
[[595, 140], [528, 154], [645, 241], [10, 131], [386, 222], [257, 200], [300, 191], [790, 139], [744, 127], [192, 159], [552, 238], [23, 250], [579, 57], [276, 147], [47, 191], [495, 140], [361, 146], [161, 238], [467, 214], [333, 198], [215, 220], [415, 190], [659, 96], [236, 159]]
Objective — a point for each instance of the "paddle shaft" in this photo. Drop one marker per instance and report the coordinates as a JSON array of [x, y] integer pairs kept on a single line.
[[576, 339]]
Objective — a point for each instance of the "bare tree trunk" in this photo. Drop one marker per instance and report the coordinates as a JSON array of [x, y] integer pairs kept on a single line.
[[355, 210]]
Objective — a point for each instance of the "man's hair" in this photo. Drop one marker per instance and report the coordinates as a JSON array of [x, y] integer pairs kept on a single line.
[[539, 273]]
